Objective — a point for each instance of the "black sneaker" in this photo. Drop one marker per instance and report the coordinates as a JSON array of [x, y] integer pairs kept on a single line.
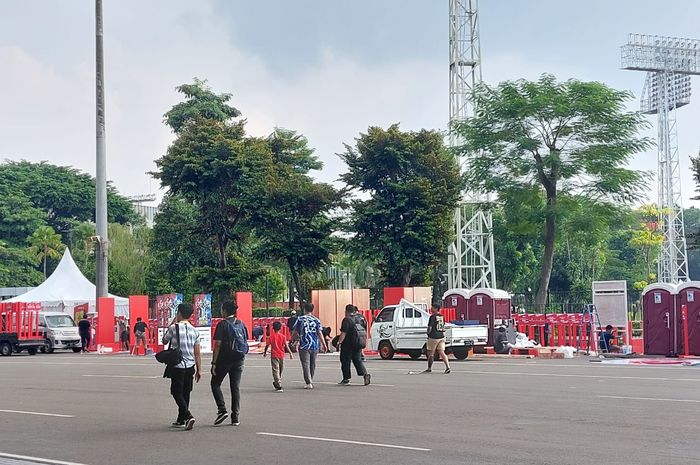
[[368, 378], [344, 382], [189, 424], [220, 417], [428, 370], [276, 385], [448, 371], [235, 421], [177, 424]]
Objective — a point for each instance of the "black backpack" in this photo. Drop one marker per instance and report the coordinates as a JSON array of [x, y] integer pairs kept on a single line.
[[237, 346], [360, 331]]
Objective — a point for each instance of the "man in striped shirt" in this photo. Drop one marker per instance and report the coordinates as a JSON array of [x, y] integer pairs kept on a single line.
[[189, 368]]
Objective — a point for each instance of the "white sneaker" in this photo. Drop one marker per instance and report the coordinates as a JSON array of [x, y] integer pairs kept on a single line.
[[307, 386]]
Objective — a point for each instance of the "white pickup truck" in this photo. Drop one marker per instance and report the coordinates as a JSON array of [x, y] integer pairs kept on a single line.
[[403, 329]]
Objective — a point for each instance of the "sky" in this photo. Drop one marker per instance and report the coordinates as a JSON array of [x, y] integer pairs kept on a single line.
[[326, 68]]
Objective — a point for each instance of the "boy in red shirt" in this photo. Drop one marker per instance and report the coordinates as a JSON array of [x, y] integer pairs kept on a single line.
[[277, 344]]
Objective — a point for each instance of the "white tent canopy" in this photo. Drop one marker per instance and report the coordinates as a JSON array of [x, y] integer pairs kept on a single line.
[[66, 288]]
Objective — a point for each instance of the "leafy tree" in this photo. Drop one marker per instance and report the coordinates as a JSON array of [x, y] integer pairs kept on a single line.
[[177, 247], [648, 239], [61, 197], [565, 138], [45, 243], [129, 259], [413, 184], [691, 217], [200, 103], [212, 165], [17, 267], [292, 218], [271, 286]]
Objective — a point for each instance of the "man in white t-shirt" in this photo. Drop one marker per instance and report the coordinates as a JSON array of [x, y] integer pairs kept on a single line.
[[189, 368]]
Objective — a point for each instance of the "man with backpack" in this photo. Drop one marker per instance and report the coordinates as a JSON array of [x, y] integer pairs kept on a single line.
[[230, 347], [353, 338]]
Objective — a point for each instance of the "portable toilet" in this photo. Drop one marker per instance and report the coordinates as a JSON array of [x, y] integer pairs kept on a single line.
[[490, 306], [689, 295], [457, 299], [660, 319]]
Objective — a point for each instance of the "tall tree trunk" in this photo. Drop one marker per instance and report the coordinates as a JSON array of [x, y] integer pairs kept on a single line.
[[295, 278], [548, 258], [44, 267], [221, 242], [406, 278]]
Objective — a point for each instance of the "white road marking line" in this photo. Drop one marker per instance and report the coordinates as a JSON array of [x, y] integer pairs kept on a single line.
[[122, 376], [553, 375], [344, 441], [336, 384], [650, 398], [81, 363], [37, 459], [22, 412]]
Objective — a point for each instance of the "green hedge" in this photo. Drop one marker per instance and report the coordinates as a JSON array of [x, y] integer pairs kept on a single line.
[[269, 313]]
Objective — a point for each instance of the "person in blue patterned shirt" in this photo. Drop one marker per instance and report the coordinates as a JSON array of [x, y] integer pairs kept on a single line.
[[309, 332]]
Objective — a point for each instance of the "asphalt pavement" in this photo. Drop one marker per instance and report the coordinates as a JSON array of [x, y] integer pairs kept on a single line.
[[116, 409]]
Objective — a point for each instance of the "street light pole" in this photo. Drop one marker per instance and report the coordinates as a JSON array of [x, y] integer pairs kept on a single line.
[[101, 284]]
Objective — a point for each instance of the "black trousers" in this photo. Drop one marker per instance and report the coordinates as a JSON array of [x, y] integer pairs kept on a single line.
[[351, 355], [181, 380], [85, 341], [234, 372]]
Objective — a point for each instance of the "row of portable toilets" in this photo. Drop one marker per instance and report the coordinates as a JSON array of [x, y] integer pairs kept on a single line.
[[665, 320], [490, 307]]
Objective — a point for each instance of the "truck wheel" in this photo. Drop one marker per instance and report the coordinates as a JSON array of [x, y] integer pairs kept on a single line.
[[5, 349], [415, 354], [31, 350], [386, 352], [460, 353], [76, 350], [49, 347], [42, 349]]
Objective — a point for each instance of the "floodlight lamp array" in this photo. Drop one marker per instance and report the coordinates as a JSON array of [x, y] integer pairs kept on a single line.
[[659, 53], [673, 89]]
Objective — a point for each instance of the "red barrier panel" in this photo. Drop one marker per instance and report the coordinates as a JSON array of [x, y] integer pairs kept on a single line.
[[105, 331], [20, 318]]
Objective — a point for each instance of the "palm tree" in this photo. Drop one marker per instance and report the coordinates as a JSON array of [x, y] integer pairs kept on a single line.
[[45, 243]]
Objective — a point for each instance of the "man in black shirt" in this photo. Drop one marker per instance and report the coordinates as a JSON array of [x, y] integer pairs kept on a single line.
[[84, 328], [353, 338], [140, 329], [228, 360], [436, 339]]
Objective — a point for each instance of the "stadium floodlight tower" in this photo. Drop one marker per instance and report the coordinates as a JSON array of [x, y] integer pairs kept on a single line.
[[470, 259], [669, 63]]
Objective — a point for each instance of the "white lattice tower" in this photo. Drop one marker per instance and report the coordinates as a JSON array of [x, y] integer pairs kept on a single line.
[[470, 259], [669, 62]]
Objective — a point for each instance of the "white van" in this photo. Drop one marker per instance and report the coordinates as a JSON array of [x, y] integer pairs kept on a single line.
[[60, 332], [403, 329]]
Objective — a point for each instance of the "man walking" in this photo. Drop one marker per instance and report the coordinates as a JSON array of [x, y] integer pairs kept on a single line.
[[353, 338], [308, 332], [436, 339], [185, 337], [230, 349], [84, 328], [140, 329]]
